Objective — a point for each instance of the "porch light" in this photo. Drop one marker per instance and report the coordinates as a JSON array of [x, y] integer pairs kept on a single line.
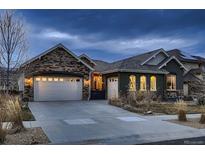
[[28, 81], [86, 82]]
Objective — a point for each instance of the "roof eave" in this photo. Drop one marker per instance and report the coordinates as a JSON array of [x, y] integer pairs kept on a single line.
[[160, 50], [51, 49], [134, 71]]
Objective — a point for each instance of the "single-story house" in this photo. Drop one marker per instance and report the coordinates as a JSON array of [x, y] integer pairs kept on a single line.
[[58, 74]]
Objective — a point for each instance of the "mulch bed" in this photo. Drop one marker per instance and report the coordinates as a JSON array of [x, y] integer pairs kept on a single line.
[[156, 108], [27, 137], [191, 122]]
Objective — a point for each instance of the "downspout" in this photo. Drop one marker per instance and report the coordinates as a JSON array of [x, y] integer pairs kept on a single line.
[[89, 96]]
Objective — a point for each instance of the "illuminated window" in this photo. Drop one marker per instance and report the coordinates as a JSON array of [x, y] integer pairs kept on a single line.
[[97, 83], [50, 79], [132, 85], [38, 79], [61, 79], [143, 83], [153, 85], [55, 79], [171, 82]]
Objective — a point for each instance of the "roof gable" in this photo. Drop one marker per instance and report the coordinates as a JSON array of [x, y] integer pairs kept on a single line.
[[51, 50], [170, 59], [88, 58], [154, 55], [185, 57]]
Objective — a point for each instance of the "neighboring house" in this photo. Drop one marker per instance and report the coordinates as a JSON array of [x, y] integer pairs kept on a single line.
[[59, 74]]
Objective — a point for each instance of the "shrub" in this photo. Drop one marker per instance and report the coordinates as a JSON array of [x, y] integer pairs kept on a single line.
[[2, 118], [202, 119], [182, 115], [181, 106], [14, 113], [11, 112], [201, 100], [2, 133]]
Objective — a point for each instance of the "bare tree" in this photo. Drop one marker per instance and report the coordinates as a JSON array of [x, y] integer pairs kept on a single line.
[[13, 45]]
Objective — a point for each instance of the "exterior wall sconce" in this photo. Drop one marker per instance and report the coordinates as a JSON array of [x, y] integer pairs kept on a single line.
[[86, 83], [28, 82]]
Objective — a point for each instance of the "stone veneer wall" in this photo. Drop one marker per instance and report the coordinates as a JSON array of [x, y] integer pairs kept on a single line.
[[87, 61], [57, 60]]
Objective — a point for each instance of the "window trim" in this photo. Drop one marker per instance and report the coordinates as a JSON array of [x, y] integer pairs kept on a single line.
[[145, 83], [130, 82], [171, 75], [155, 89]]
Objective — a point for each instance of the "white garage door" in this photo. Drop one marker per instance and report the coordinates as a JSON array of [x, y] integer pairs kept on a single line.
[[57, 88], [112, 87]]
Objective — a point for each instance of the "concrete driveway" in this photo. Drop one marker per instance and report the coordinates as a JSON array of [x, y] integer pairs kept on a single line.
[[96, 122]]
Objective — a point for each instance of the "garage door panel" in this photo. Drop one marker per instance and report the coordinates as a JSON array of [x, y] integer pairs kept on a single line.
[[66, 89]]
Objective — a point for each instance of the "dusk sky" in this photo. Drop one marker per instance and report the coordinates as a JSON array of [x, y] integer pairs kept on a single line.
[[115, 34]]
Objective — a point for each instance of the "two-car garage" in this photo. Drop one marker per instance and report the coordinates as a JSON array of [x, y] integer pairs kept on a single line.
[[48, 88]]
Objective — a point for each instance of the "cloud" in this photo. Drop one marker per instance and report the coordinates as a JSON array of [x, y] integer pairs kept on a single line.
[[124, 46], [118, 32], [54, 34], [137, 45]]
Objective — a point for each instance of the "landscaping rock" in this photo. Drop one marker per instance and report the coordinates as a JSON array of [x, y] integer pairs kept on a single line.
[[148, 113]]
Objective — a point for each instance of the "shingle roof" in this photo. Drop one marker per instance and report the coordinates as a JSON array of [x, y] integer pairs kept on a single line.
[[197, 71], [132, 63], [101, 65], [166, 60], [186, 57]]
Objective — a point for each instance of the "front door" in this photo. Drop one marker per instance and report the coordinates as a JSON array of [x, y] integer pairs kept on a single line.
[[112, 88]]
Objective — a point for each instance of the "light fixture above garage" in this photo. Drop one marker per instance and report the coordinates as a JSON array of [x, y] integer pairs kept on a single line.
[[28, 82]]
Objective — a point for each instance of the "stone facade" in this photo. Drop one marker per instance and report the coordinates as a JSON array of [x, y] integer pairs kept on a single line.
[[58, 60], [87, 61]]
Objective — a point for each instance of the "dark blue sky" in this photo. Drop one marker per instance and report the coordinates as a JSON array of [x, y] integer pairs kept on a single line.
[[115, 34]]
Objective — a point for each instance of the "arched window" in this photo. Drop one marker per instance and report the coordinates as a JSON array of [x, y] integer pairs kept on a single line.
[[171, 82], [132, 83], [153, 83], [143, 83]]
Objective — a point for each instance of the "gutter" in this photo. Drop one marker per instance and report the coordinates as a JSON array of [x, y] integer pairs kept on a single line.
[[135, 71]]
